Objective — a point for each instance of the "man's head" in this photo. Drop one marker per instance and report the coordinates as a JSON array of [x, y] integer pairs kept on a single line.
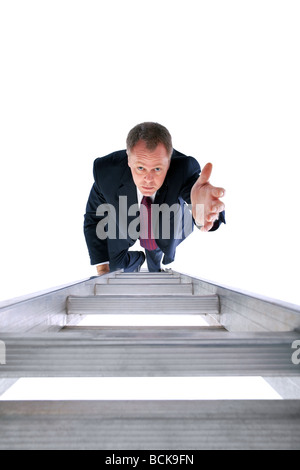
[[149, 149]]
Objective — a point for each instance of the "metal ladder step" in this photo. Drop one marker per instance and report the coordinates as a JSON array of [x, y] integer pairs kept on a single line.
[[140, 353], [144, 289], [177, 304], [146, 280], [129, 425], [148, 275]]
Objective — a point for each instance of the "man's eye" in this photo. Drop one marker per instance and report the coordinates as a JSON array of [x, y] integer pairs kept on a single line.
[[157, 169], [140, 168]]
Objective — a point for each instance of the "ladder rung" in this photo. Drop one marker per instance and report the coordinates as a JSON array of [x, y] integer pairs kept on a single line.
[[144, 289], [208, 304], [144, 280], [118, 354], [151, 424], [148, 275]]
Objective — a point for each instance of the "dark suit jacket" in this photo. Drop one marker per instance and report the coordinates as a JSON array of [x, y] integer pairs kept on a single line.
[[113, 179]]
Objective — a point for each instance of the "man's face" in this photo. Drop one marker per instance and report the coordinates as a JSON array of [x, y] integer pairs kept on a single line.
[[148, 167]]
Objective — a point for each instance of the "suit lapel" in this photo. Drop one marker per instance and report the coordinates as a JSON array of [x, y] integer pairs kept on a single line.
[[127, 206], [161, 194], [128, 188]]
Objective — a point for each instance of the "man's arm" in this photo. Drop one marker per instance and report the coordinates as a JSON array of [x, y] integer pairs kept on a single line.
[[97, 248]]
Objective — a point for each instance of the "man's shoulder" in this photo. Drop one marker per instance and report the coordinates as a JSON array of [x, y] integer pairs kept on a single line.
[[110, 169], [180, 160], [112, 160]]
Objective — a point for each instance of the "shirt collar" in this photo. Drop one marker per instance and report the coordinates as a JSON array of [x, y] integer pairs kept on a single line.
[[140, 196]]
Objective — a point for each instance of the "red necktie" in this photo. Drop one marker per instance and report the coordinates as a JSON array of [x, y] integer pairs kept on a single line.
[[147, 240]]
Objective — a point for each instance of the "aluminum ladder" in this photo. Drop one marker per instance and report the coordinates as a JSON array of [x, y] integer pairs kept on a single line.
[[244, 336]]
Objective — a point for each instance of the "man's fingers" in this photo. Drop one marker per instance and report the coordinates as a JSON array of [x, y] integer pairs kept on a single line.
[[205, 174], [217, 207], [207, 227], [212, 217], [218, 192]]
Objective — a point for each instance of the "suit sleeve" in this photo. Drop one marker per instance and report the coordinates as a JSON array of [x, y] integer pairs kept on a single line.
[[192, 173], [97, 248]]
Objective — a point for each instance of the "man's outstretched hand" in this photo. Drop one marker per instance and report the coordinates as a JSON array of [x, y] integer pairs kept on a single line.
[[206, 204]]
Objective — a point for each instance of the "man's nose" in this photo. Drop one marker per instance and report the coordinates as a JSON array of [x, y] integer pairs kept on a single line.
[[148, 177]]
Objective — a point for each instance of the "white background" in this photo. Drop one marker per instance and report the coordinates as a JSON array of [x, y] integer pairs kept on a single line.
[[222, 76]]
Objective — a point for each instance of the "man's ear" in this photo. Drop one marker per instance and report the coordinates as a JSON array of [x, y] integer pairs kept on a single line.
[[169, 164], [128, 158]]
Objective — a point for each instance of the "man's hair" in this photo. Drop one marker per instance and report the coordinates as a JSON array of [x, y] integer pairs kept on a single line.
[[152, 134]]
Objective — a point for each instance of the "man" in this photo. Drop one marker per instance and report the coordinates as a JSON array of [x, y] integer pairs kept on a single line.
[[150, 177]]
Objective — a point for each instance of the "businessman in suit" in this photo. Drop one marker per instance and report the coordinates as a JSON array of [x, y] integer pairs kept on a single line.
[[148, 175]]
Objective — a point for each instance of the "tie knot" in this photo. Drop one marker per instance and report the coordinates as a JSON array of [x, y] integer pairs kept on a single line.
[[147, 201]]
